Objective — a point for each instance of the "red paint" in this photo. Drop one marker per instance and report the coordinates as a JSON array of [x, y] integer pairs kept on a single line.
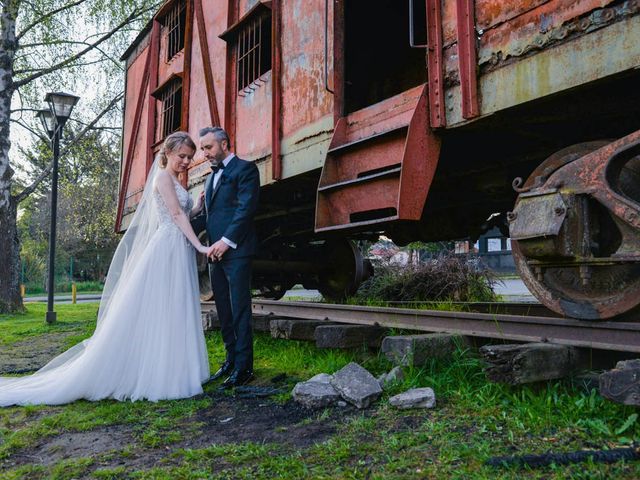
[[276, 96], [467, 58], [153, 84], [435, 64]]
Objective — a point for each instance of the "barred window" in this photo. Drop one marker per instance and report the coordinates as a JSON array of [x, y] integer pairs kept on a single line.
[[253, 51], [175, 22], [171, 111]]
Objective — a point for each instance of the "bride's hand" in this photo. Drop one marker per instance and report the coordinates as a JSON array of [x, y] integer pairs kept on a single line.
[[200, 202], [205, 250]]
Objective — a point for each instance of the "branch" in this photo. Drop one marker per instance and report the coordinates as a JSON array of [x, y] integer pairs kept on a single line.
[[34, 132], [135, 14], [30, 189], [47, 16]]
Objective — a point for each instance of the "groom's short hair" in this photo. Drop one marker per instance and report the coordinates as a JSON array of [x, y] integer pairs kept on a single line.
[[218, 132]]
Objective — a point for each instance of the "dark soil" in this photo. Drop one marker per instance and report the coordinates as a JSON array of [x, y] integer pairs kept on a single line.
[[230, 419], [33, 353]]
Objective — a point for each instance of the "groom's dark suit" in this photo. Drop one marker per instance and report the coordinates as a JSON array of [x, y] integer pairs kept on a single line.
[[230, 208]]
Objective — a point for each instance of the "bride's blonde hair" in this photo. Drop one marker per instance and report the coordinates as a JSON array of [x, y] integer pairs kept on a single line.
[[172, 143]]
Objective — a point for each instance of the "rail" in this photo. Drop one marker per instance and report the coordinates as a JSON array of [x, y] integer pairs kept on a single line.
[[610, 335]]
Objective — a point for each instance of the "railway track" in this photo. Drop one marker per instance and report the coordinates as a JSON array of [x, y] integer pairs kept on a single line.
[[608, 335]]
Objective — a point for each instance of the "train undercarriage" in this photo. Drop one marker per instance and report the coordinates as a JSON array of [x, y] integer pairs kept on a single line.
[[574, 221]]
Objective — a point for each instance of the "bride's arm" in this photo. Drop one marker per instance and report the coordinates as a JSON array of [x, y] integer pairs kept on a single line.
[[197, 208], [167, 191]]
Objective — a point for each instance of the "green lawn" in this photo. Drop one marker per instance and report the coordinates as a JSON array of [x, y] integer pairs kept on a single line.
[[473, 421]]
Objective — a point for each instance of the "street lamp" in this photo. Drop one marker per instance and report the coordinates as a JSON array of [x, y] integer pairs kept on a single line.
[[53, 120]]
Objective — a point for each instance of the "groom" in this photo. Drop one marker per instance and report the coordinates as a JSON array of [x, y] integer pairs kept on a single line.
[[231, 199]]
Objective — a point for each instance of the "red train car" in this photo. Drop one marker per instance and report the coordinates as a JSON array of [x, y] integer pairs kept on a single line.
[[412, 119]]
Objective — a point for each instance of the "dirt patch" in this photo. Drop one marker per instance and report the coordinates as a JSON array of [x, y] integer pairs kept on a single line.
[[230, 419], [76, 445], [33, 353]]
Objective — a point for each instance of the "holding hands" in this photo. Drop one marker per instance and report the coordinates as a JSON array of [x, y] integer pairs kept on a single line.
[[218, 249], [206, 250]]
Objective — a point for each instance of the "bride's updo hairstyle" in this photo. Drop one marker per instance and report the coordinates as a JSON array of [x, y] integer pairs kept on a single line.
[[172, 143]]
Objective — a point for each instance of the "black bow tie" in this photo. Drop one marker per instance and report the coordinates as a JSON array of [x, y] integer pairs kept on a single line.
[[215, 168]]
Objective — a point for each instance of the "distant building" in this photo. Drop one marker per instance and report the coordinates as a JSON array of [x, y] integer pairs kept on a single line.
[[495, 251]]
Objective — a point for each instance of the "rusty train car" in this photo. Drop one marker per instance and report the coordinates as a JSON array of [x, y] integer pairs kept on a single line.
[[417, 119]]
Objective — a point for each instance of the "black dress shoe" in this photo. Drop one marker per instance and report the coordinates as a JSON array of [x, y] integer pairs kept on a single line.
[[225, 369], [237, 378]]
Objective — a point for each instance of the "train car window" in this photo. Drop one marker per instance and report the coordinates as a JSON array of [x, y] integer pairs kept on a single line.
[[174, 23], [253, 52], [170, 112], [379, 61]]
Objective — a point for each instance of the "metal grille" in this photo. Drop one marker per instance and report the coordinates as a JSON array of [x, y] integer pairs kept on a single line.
[[171, 111], [175, 22], [253, 53]]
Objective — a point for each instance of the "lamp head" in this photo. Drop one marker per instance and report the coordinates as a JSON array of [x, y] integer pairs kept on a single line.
[[48, 121], [61, 104]]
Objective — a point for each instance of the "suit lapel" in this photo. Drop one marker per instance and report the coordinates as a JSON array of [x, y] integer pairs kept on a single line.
[[225, 174], [208, 192]]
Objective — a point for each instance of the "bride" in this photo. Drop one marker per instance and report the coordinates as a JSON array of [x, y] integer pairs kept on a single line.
[[148, 342]]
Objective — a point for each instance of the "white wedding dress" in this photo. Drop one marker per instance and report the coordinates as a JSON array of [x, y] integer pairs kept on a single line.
[[149, 342]]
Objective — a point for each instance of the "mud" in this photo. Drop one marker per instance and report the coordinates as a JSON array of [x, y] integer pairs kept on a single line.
[[33, 353], [228, 420]]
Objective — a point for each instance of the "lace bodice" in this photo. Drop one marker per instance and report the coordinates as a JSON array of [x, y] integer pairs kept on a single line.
[[164, 216]]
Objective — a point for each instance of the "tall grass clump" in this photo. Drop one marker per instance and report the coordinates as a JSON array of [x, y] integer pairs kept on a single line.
[[446, 277]]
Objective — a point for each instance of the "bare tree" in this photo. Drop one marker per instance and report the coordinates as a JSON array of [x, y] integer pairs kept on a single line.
[[51, 44]]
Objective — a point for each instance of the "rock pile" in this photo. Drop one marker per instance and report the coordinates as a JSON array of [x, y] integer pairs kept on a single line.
[[354, 384]]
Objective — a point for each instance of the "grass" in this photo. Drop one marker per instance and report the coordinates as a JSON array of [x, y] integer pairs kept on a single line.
[[64, 287], [473, 421]]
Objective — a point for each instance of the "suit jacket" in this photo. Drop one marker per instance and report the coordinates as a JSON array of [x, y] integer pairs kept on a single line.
[[231, 206]]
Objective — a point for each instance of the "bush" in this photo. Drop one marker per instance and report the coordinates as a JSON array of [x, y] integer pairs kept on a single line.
[[444, 278]]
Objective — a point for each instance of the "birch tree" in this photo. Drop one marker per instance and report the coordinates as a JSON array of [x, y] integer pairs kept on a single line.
[[53, 45]]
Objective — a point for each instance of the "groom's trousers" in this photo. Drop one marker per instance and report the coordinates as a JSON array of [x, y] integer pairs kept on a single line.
[[231, 281]]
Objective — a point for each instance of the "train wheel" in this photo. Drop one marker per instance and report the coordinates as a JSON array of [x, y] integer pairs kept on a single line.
[[346, 269], [589, 270]]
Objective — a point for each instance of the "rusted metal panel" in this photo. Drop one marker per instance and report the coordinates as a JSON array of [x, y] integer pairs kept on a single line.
[[490, 13], [276, 89], [154, 80], [253, 120], [538, 28], [389, 114], [538, 216], [186, 77], [467, 58], [304, 98], [604, 52], [133, 120], [419, 162], [206, 64], [435, 64], [380, 164]]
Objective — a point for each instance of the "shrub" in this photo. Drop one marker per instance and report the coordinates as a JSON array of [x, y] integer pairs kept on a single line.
[[446, 277]]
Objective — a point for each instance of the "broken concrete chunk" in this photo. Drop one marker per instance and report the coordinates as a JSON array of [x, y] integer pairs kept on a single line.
[[315, 394], [356, 385], [415, 398]]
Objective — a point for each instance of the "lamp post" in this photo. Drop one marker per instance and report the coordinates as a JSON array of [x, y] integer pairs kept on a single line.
[[53, 120]]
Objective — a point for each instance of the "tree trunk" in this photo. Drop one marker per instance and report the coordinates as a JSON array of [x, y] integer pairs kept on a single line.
[[10, 300]]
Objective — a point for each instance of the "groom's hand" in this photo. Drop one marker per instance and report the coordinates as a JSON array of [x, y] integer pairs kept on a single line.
[[218, 249]]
